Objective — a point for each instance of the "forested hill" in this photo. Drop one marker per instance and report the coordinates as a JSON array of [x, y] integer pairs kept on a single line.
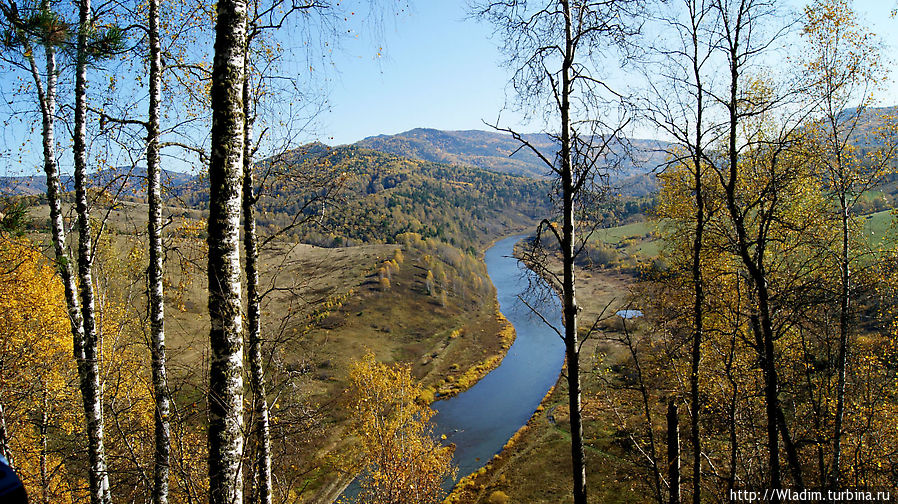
[[351, 195], [497, 151]]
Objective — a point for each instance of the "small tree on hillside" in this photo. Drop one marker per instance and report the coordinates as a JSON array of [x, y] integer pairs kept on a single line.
[[404, 464]]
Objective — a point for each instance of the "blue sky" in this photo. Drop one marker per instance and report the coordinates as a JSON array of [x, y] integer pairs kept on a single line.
[[438, 70], [442, 70], [427, 67]]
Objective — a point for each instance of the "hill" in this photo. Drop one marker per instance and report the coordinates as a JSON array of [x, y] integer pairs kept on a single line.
[[348, 195], [871, 131], [126, 181], [500, 152]]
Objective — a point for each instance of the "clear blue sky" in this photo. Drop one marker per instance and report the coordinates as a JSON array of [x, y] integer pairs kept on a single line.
[[442, 70], [438, 70]]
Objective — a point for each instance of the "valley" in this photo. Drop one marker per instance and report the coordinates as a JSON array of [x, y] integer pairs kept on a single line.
[[648, 255], [384, 254]]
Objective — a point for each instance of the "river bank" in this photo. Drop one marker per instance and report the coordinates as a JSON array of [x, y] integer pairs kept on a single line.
[[534, 467], [462, 364]]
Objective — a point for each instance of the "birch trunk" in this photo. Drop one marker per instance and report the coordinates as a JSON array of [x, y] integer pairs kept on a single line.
[[162, 455], [844, 329], [47, 99], [45, 477], [253, 313], [226, 335], [88, 366], [4, 437], [697, 280]]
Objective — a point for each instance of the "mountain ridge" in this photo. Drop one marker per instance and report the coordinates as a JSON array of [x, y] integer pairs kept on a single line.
[[501, 152]]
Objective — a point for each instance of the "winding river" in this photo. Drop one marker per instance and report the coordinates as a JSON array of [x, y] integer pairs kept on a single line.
[[482, 419]]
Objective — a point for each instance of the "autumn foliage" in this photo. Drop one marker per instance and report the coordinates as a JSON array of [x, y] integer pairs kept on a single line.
[[402, 462]]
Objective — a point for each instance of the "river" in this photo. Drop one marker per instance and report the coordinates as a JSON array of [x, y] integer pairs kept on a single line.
[[482, 419]]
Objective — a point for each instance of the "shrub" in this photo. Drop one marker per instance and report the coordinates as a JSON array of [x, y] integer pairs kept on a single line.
[[498, 497]]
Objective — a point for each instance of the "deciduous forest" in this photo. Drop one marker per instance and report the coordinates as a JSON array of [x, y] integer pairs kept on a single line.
[[667, 274]]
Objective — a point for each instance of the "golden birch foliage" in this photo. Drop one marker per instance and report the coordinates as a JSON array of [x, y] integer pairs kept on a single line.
[[404, 463], [843, 57], [38, 379], [784, 201], [35, 367], [845, 72]]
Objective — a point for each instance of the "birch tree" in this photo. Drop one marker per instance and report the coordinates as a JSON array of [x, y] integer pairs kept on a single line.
[[162, 430], [758, 152], [678, 103], [845, 71], [225, 397], [43, 26], [92, 44]]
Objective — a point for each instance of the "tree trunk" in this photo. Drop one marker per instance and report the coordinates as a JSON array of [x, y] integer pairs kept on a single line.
[[791, 450], [570, 308], [734, 439], [45, 479], [253, 311], [697, 318], [226, 336], [697, 280], [844, 300], [83, 341], [47, 99], [99, 483], [162, 456], [4, 437], [89, 371], [673, 451], [762, 324]]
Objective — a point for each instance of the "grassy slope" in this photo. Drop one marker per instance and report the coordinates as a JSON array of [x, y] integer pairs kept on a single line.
[[878, 228], [631, 239]]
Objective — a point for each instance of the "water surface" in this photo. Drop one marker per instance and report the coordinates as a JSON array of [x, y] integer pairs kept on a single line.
[[482, 419]]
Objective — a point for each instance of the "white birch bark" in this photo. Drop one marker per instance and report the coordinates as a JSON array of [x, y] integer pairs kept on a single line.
[[88, 366], [162, 455], [261, 431], [226, 335]]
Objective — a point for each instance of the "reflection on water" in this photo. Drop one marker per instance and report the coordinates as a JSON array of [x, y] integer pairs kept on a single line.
[[629, 314]]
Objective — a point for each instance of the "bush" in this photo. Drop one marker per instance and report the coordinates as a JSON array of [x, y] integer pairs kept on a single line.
[[600, 255], [498, 497]]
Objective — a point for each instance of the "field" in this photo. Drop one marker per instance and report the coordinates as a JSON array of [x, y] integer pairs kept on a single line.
[[635, 240], [879, 228]]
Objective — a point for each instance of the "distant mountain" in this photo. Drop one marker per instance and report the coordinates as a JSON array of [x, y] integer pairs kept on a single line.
[[872, 131], [125, 181], [500, 152]]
